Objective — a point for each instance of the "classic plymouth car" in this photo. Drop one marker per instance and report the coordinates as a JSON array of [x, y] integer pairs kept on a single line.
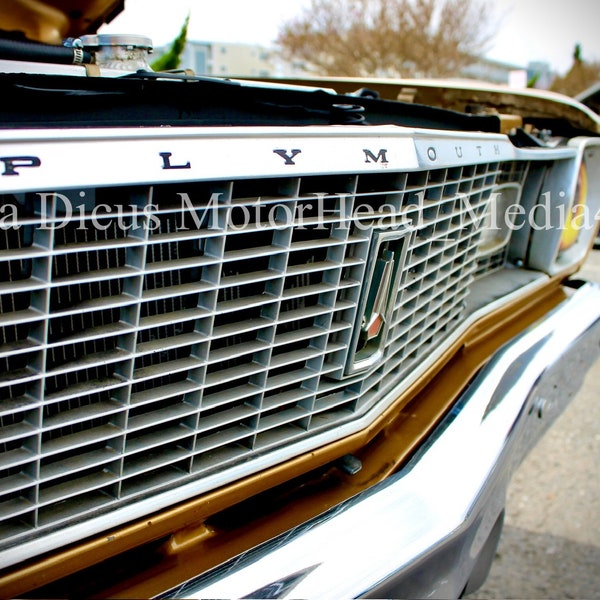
[[273, 339]]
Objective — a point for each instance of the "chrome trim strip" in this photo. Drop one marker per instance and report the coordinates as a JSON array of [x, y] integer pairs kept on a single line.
[[101, 157], [361, 543]]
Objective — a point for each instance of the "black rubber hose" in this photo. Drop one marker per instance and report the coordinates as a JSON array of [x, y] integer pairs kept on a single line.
[[45, 53]]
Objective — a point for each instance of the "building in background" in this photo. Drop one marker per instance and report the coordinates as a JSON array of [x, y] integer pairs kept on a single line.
[[227, 59], [493, 71], [540, 74]]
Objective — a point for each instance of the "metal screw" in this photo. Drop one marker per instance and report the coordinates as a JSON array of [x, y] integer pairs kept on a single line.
[[350, 464]]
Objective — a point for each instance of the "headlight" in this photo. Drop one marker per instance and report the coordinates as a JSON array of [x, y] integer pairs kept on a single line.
[[568, 202], [575, 217]]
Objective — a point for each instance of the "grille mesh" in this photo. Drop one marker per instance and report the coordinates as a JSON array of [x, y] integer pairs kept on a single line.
[[514, 171], [144, 348]]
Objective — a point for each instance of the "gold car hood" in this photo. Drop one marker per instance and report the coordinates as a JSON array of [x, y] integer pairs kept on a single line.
[[50, 21]]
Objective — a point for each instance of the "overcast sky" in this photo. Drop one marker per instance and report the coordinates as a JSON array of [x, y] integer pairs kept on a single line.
[[529, 30]]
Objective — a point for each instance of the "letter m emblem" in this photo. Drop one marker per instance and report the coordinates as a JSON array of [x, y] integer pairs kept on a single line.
[[370, 156]]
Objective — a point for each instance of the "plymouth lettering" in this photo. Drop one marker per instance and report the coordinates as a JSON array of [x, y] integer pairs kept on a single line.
[[12, 163], [287, 157], [369, 156], [166, 156]]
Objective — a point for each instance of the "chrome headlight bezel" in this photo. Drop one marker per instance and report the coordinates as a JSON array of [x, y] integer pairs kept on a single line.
[[568, 201]]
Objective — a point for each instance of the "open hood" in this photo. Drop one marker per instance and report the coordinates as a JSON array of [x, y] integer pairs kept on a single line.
[[50, 21]]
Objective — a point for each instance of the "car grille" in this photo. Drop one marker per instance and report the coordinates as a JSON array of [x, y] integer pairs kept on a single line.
[[143, 349], [514, 171]]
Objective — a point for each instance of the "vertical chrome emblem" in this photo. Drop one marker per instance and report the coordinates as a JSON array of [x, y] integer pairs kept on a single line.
[[383, 274]]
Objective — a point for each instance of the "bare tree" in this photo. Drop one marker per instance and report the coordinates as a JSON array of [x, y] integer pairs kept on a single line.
[[581, 75], [387, 38]]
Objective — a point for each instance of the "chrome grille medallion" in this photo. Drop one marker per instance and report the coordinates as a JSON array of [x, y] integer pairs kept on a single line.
[[387, 256]]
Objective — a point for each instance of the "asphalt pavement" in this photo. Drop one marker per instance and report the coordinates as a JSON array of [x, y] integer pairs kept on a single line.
[[550, 546]]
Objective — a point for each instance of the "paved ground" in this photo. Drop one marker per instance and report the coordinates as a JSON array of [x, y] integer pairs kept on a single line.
[[550, 546]]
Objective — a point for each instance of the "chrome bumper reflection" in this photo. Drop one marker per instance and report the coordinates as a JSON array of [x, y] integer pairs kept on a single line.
[[456, 481]]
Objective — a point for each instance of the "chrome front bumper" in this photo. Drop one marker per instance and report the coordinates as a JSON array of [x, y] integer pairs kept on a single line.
[[423, 531]]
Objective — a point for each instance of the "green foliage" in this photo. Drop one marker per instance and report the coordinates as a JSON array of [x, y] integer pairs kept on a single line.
[[171, 59], [533, 80]]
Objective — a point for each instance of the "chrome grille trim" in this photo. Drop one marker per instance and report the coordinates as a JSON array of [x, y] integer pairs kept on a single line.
[[158, 360]]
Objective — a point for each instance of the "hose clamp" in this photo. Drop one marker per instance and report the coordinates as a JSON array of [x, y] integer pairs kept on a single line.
[[77, 56]]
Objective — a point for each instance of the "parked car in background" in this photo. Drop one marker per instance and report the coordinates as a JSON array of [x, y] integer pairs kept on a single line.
[[274, 339]]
